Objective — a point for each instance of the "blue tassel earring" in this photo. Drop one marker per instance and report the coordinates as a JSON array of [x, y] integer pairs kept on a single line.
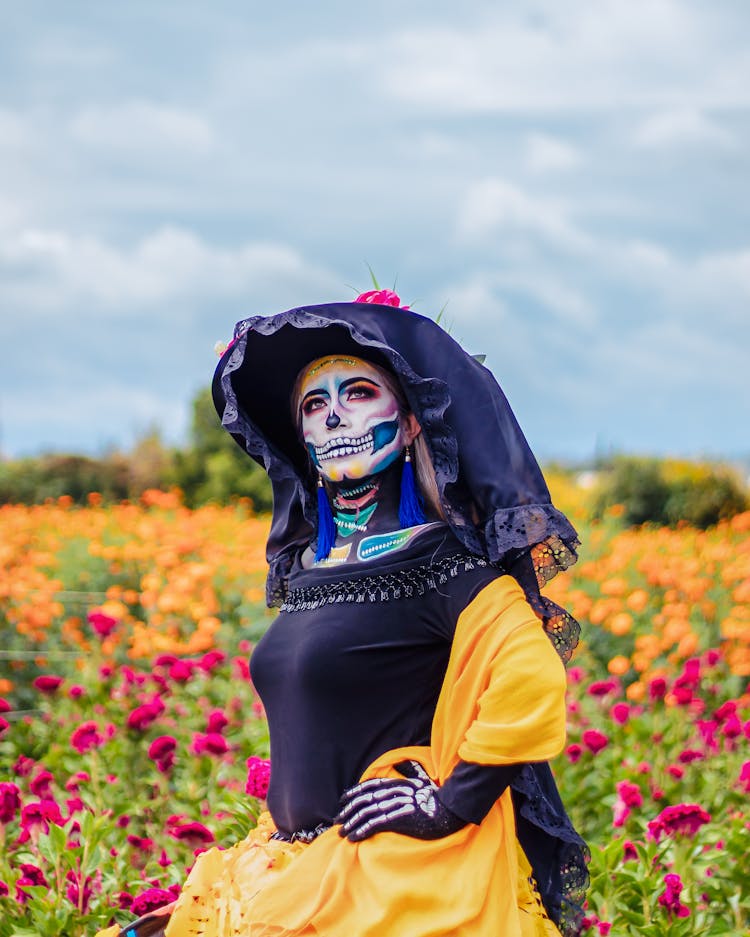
[[326, 525], [411, 507]]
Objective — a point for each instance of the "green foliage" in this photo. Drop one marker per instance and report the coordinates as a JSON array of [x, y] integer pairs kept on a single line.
[[211, 468], [214, 468], [665, 492]]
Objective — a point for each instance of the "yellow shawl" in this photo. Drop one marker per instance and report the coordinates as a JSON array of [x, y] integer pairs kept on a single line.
[[502, 702]]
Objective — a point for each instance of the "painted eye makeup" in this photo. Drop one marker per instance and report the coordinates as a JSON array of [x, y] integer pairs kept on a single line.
[[363, 391], [312, 404]]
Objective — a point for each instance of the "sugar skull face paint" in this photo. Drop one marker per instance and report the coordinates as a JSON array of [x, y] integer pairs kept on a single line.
[[350, 419]]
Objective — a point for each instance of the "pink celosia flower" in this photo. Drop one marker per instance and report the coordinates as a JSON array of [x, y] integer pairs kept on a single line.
[[73, 891], [30, 875], [141, 843], [657, 688], [10, 801], [242, 666], [195, 834], [23, 766], [670, 898], [210, 660], [161, 751], [726, 710], [380, 298], [744, 777], [732, 728], [688, 755], [628, 796], [76, 691], [217, 721], [41, 784], [142, 716], [39, 814], [5, 706], [258, 777], [574, 752], [86, 736], [47, 683], [102, 624], [630, 793], [603, 687], [575, 675], [679, 820], [181, 671], [594, 740], [4, 890], [620, 713], [150, 900], [677, 771], [161, 746], [209, 744], [629, 851]]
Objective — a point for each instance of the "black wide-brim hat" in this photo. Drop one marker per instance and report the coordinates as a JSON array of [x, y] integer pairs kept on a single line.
[[491, 488]]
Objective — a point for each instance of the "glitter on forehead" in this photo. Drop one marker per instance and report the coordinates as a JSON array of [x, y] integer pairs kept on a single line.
[[326, 362]]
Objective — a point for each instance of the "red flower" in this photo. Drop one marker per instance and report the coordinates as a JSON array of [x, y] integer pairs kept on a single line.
[[216, 721], [102, 624], [670, 899], [680, 820], [594, 740], [195, 834], [258, 777], [142, 716], [629, 851], [150, 900], [161, 746], [47, 683], [161, 751], [73, 890], [181, 671], [630, 793], [37, 816], [5, 706], [210, 744], [657, 688], [210, 660], [41, 784], [603, 687], [10, 801], [620, 713], [380, 298], [86, 736]]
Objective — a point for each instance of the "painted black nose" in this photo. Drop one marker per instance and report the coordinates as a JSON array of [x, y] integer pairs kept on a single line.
[[333, 420]]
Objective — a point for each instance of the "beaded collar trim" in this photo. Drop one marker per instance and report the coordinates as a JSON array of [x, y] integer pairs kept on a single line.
[[384, 587]]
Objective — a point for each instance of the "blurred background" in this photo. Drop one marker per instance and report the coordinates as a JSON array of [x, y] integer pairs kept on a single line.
[[569, 180]]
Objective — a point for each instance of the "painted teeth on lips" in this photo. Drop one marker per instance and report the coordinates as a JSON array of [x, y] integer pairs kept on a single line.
[[335, 448]]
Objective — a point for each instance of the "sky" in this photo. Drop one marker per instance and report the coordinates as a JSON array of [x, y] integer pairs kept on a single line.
[[570, 180]]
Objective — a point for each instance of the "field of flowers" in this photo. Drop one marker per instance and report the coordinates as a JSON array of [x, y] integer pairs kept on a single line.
[[131, 738]]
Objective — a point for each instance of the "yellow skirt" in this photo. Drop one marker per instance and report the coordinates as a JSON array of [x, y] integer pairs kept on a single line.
[[252, 890]]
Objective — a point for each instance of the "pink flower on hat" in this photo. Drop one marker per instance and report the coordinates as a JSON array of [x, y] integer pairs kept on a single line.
[[381, 298]]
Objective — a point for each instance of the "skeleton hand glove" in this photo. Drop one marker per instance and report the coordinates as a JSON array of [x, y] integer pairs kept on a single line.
[[411, 807]]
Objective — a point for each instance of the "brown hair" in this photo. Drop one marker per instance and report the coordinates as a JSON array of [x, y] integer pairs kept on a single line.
[[423, 468]]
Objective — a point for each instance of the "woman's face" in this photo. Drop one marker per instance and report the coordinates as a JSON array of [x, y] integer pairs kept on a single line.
[[350, 420]]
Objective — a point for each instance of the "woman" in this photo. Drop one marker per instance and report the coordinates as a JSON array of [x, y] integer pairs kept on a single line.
[[412, 693]]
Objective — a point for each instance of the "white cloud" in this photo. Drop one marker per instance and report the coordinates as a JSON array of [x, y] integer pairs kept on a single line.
[[550, 154], [143, 125], [500, 207], [601, 56], [166, 264], [681, 127]]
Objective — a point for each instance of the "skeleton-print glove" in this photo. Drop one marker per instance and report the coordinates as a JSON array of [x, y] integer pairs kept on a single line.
[[410, 806]]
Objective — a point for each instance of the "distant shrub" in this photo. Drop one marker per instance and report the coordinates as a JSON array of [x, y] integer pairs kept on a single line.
[[668, 492]]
